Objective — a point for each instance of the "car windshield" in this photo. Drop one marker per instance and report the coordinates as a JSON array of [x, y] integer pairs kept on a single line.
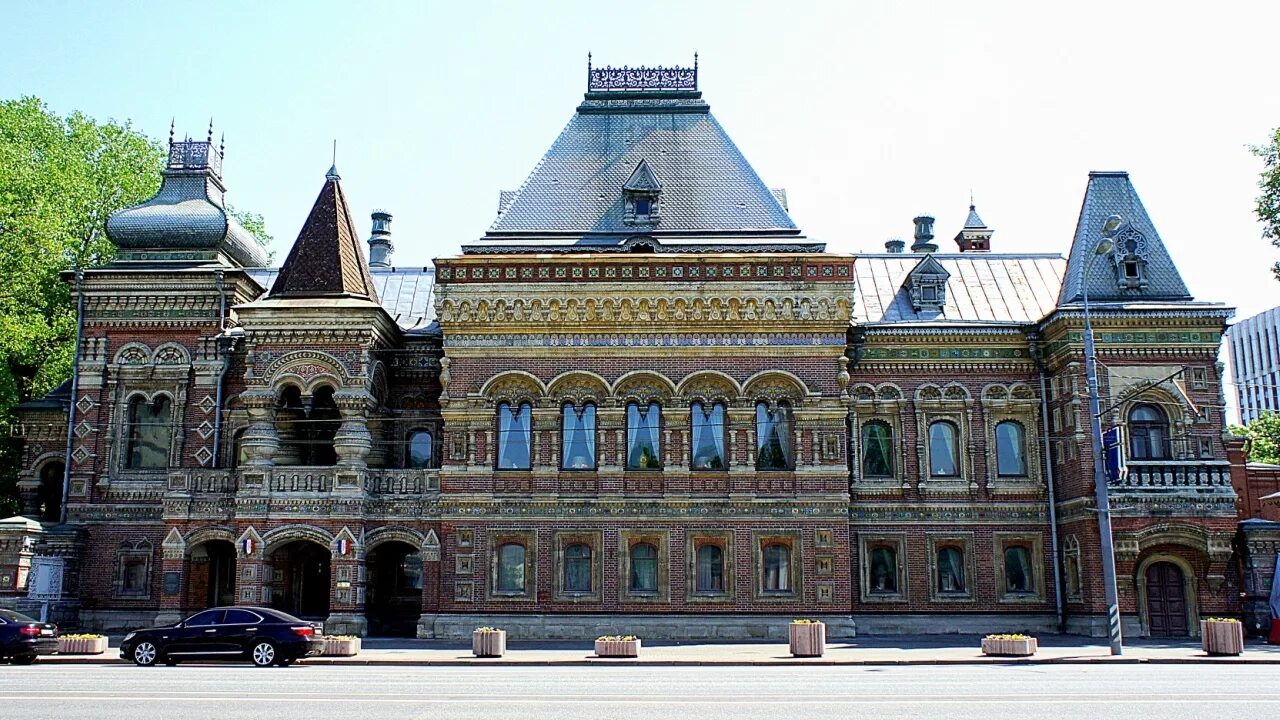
[[12, 616]]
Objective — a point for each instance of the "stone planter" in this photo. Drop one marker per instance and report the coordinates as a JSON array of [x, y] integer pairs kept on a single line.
[[82, 646], [340, 646], [489, 643], [1020, 647], [1222, 638], [618, 648], [807, 639]]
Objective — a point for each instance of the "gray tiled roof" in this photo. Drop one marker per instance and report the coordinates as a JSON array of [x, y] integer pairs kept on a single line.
[[973, 222], [406, 293], [707, 185], [1111, 193], [984, 288]]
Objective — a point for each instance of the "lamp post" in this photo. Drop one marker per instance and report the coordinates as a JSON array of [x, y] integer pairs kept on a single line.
[[1102, 498]]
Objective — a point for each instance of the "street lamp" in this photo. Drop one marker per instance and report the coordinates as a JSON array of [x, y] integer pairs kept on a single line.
[[1102, 499]]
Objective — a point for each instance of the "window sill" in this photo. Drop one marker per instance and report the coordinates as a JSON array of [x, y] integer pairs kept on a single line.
[[883, 597], [945, 597]]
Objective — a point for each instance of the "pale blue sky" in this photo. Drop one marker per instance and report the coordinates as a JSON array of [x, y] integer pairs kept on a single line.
[[867, 112]]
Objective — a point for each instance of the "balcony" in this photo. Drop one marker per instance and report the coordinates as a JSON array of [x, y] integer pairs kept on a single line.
[[290, 480], [1157, 476]]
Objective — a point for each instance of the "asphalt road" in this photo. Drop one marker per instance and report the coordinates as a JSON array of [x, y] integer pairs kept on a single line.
[[1061, 692]]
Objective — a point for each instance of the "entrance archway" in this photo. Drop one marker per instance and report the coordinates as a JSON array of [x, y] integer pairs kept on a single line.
[[1166, 600], [213, 575], [300, 579], [394, 599]]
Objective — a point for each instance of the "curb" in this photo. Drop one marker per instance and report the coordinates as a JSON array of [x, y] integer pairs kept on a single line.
[[783, 662]]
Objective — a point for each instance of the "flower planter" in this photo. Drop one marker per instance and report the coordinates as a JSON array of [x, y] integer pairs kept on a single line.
[[807, 639], [618, 648], [1222, 638], [1009, 647], [82, 646], [489, 643], [341, 646]]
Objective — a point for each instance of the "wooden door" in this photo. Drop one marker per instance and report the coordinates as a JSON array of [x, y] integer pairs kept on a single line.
[[1166, 601]]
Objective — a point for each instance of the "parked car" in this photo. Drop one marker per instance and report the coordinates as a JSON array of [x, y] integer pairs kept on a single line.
[[23, 638], [260, 635]]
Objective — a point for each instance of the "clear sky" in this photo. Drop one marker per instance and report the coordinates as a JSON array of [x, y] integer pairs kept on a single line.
[[866, 112]]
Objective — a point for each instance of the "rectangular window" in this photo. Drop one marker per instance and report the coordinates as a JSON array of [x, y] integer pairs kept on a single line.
[[578, 437], [514, 436], [643, 439], [707, 437]]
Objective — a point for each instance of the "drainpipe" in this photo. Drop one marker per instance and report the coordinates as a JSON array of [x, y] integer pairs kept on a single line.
[[75, 390], [222, 373], [1049, 482]]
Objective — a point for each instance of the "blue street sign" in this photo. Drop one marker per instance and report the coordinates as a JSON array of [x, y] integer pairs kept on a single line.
[[1113, 453]]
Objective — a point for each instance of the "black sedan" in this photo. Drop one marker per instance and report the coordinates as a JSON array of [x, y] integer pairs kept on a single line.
[[261, 635], [23, 638]]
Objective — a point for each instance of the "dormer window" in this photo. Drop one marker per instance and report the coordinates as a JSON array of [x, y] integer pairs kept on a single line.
[[927, 285], [1131, 260], [641, 196]]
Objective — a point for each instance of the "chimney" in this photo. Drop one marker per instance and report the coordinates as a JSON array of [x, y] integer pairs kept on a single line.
[[924, 235], [894, 245], [380, 246]]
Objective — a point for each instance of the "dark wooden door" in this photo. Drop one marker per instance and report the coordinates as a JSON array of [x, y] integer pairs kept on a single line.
[[1166, 601]]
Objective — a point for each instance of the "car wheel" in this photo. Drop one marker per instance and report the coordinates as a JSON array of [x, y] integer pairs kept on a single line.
[[23, 660], [263, 653], [145, 654]]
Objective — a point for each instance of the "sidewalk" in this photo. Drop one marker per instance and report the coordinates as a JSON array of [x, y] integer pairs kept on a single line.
[[897, 650]]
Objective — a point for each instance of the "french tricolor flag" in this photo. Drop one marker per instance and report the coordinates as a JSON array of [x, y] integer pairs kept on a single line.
[[343, 546], [248, 546]]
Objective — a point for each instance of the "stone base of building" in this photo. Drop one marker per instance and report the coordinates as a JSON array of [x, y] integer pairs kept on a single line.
[[1096, 626], [112, 621], [346, 624], [956, 624], [648, 627]]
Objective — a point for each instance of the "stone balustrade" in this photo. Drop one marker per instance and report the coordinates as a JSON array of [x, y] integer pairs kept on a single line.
[[301, 479], [1174, 475], [402, 482]]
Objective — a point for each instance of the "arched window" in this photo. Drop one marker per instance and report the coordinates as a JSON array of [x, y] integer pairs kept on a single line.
[[511, 568], [773, 437], [422, 450], [951, 570], [150, 432], [49, 494], [710, 569], [514, 436], [777, 568], [877, 449], [644, 568], [1017, 570], [322, 428], [1011, 453], [577, 568], [883, 577], [643, 445], [578, 437], [1148, 433], [943, 449], [708, 430]]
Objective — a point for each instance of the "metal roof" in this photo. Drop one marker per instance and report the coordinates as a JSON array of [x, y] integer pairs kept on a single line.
[[984, 288], [576, 189], [406, 293]]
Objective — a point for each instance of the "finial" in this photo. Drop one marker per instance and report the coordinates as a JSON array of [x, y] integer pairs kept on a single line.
[[210, 129], [333, 169], [222, 143], [971, 199], [171, 121]]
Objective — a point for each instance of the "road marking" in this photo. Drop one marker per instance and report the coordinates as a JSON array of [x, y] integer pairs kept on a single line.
[[598, 700]]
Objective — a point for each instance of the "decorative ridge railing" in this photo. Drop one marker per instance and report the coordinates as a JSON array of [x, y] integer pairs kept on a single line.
[[1174, 474], [611, 78]]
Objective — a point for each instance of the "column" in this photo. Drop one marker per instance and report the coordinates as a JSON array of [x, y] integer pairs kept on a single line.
[[260, 441], [346, 594], [353, 441]]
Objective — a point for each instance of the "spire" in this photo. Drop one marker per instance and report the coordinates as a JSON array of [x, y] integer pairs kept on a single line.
[[975, 236], [1136, 267], [327, 258], [333, 168]]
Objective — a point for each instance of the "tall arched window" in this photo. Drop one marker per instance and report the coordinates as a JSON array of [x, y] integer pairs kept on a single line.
[[150, 432], [577, 568], [644, 568], [773, 437], [708, 430], [422, 450], [951, 570], [710, 569], [1011, 449], [777, 568], [877, 449], [1148, 433], [643, 444], [1018, 576], [511, 572], [943, 449], [578, 437], [514, 436]]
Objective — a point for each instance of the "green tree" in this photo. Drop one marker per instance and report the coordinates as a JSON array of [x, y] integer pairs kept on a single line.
[[1268, 203], [60, 179], [1264, 438], [256, 226]]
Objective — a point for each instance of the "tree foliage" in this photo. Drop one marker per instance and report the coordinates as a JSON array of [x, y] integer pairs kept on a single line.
[[1268, 203], [1264, 438], [60, 179]]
